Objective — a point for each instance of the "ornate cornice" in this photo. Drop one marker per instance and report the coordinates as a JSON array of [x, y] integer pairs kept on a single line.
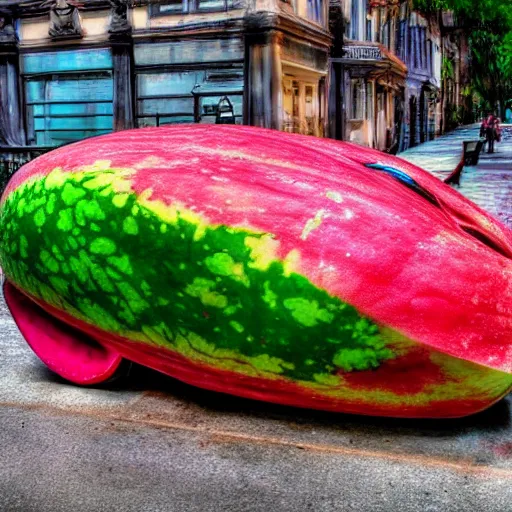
[[30, 8], [289, 24]]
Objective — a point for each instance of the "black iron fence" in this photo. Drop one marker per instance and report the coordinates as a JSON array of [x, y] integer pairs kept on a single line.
[[12, 158]]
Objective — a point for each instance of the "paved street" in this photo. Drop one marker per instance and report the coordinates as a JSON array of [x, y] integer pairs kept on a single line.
[[150, 443], [489, 184]]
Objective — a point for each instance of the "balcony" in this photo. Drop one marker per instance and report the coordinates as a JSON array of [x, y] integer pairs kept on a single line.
[[363, 52], [372, 59]]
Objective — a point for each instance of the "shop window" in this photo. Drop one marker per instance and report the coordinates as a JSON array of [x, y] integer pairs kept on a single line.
[[66, 109], [209, 108], [68, 95], [62, 109], [301, 107], [189, 6], [164, 98], [187, 96], [310, 108], [291, 100]]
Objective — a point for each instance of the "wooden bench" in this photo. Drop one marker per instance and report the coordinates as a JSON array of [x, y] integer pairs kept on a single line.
[[471, 150]]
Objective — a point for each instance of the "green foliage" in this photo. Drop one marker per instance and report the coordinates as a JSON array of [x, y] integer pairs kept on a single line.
[[431, 6], [491, 67], [488, 24], [447, 70]]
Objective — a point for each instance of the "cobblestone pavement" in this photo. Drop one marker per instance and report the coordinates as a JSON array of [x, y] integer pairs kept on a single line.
[[441, 156], [489, 184], [150, 443]]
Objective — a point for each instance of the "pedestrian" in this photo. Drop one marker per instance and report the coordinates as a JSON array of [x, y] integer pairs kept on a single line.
[[482, 128], [498, 129], [490, 131]]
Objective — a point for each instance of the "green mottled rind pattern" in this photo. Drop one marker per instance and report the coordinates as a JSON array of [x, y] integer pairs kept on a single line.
[[77, 243]]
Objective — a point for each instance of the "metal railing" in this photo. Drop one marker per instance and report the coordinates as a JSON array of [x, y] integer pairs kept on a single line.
[[13, 157]]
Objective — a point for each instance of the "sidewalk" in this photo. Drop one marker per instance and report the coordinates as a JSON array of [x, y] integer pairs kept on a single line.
[[440, 156], [489, 184]]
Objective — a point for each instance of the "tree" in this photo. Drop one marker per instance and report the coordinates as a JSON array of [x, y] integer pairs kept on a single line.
[[488, 24]]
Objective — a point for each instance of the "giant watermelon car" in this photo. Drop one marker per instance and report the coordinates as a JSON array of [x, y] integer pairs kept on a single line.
[[272, 266]]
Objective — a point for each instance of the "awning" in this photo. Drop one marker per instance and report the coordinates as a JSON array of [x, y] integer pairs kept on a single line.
[[373, 59]]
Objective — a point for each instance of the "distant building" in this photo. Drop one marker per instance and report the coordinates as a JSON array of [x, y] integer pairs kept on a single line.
[[373, 72], [420, 48], [368, 77]]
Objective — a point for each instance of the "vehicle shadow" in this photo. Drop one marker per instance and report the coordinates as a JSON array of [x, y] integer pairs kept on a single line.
[[495, 419]]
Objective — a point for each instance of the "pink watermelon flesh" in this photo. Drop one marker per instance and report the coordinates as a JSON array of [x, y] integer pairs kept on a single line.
[[66, 351]]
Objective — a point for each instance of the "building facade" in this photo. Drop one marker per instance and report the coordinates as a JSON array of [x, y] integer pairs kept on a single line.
[[71, 70], [366, 101], [374, 72], [420, 49]]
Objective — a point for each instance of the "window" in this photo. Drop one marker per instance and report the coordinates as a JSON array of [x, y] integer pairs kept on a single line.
[[369, 100], [386, 31], [167, 97], [68, 95], [358, 98], [415, 47], [169, 7], [401, 39], [369, 28], [430, 66], [424, 64], [189, 6], [315, 11], [301, 105], [354, 20], [385, 28], [360, 22], [164, 98], [310, 109], [392, 34]]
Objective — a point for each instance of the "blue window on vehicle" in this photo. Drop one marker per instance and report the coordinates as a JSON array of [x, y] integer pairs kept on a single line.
[[406, 180]]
